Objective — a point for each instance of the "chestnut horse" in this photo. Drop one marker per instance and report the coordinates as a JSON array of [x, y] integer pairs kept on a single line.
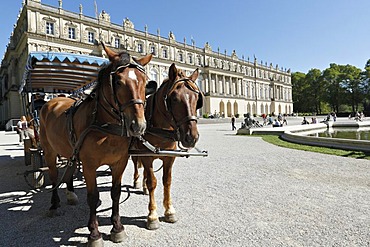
[[97, 132], [171, 118]]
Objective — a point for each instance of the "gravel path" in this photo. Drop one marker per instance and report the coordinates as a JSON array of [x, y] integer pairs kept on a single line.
[[246, 193]]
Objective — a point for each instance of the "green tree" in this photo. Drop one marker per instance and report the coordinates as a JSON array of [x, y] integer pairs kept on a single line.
[[314, 94], [333, 91], [365, 85], [299, 89], [350, 78]]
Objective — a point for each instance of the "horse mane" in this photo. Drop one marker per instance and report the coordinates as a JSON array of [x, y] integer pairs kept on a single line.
[[165, 81], [124, 58], [189, 83]]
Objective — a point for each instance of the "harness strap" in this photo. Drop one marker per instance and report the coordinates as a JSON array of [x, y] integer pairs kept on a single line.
[[187, 119], [70, 113], [164, 133]]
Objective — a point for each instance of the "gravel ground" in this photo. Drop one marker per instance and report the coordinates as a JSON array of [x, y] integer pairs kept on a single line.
[[246, 193]]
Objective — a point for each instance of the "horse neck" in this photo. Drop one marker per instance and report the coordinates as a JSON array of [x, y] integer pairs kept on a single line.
[[160, 116], [104, 103]]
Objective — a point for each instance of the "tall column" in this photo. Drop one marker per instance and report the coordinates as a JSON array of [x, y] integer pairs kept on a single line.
[[210, 83], [216, 89]]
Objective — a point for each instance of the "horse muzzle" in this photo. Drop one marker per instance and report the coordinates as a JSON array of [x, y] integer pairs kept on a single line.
[[136, 127], [189, 139]]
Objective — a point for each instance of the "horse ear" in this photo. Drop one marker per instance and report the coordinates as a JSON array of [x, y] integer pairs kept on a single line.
[[195, 75], [111, 54], [172, 74], [144, 60]]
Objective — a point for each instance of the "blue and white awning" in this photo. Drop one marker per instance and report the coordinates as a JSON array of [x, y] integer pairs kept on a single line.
[[52, 72]]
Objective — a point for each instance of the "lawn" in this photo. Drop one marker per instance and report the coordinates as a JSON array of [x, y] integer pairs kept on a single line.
[[276, 140]]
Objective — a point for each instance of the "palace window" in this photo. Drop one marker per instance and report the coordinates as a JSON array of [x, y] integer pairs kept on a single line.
[[261, 93], [164, 53], [50, 28], [153, 75], [140, 48], [190, 58], [152, 50], [117, 42], [164, 75], [181, 58], [91, 37], [72, 33]]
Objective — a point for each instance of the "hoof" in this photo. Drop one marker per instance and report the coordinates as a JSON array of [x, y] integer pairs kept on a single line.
[[72, 198], [118, 237], [170, 218], [72, 202], [145, 191], [95, 242], [152, 225], [54, 213], [137, 185]]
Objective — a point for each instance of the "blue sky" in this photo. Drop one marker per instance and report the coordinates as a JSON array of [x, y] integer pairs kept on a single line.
[[294, 34]]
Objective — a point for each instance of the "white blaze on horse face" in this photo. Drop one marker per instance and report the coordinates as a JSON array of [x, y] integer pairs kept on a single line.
[[132, 75], [187, 97]]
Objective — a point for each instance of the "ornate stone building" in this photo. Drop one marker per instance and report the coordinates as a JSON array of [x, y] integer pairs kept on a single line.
[[231, 85]]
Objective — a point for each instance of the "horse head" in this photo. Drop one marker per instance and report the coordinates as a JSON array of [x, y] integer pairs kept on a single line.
[[182, 100], [124, 89]]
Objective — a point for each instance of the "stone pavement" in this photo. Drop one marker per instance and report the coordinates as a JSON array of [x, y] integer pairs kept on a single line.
[[246, 193]]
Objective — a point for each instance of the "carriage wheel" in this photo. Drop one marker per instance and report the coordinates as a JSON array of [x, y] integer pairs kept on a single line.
[[38, 177]]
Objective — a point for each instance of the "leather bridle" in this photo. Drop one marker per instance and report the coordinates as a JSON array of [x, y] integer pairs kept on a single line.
[[117, 110], [168, 114], [174, 123]]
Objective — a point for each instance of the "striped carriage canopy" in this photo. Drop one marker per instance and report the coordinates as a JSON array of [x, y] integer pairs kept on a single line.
[[56, 72]]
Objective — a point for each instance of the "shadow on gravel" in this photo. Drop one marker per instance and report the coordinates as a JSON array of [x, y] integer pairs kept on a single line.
[[23, 211], [3, 145]]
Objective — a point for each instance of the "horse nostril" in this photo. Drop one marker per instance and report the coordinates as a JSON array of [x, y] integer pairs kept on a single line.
[[188, 138], [137, 128]]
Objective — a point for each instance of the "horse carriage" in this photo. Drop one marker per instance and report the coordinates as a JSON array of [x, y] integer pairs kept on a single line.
[[123, 115], [48, 75]]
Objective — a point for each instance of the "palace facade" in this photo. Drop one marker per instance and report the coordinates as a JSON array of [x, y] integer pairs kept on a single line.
[[231, 85]]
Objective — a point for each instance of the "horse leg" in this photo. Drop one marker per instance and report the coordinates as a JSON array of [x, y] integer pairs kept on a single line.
[[169, 213], [117, 233], [72, 198], [50, 159], [137, 165], [151, 183], [145, 187], [95, 237]]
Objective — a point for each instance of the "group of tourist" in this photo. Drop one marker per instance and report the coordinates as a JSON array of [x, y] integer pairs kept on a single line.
[[277, 122], [359, 116]]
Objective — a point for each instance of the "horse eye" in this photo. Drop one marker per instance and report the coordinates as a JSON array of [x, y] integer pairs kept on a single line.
[[175, 99]]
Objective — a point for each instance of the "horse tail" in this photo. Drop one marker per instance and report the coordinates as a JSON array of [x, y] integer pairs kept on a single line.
[[139, 163]]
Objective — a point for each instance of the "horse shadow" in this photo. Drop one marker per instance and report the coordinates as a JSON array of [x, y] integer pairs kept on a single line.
[[24, 210]]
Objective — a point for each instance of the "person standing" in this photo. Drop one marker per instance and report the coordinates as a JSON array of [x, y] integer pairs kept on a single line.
[[233, 123], [22, 127]]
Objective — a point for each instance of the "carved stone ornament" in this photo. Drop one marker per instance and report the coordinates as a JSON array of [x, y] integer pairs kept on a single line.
[[104, 16], [207, 47], [127, 24]]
